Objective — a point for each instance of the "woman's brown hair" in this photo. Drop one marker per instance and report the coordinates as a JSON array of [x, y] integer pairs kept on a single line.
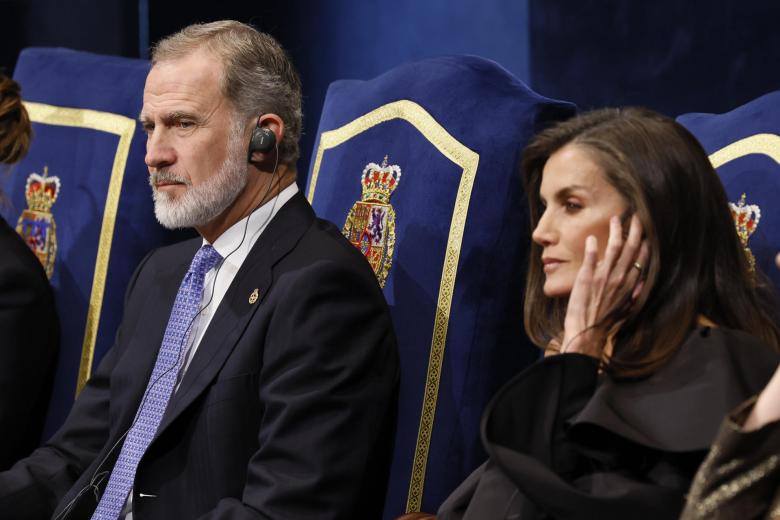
[[697, 265], [15, 129]]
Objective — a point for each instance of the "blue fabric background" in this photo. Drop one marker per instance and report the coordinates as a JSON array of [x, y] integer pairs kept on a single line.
[[756, 175], [494, 114], [83, 159]]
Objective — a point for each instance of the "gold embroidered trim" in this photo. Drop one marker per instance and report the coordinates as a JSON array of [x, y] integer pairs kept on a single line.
[[727, 467], [766, 144], [707, 505], [124, 127], [468, 160]]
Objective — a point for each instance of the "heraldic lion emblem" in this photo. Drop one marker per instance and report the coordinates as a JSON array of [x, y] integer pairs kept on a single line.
[[370, 225], [36, 224]]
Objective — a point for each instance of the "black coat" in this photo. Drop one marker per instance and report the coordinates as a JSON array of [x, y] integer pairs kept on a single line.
[[567, 443], [285, 410], [29, 339]]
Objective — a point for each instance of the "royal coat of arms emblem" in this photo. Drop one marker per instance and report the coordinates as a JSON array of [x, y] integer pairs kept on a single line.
[[36, 224], [746, 218], [370, 225]]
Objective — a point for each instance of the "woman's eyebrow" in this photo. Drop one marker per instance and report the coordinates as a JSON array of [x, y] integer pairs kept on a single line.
[[566, 192]]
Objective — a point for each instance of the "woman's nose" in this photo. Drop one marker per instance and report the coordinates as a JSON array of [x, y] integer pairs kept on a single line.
[[543, 233]]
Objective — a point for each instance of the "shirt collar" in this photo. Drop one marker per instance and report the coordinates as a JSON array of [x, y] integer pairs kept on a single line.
[[235, 243]]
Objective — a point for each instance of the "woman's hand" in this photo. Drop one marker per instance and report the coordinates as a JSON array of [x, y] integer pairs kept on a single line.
[[602, 286], [767, 407]]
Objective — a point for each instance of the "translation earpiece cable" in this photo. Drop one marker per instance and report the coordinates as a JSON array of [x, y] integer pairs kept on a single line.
[[93, 481]]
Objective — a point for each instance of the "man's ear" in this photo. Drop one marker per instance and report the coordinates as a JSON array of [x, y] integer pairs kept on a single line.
[[274, 124]]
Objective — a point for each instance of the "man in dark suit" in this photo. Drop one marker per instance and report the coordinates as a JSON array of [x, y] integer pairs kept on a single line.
[[254, 372]]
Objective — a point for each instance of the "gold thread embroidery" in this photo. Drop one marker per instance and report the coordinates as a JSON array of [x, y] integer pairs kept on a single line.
[[700, 479], [36, 224], [735, 486], [370, 223], [124, 127], [766, 144], [728, 467], [468, 160]]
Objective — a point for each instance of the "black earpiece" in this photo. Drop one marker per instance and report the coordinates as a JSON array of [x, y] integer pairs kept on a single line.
[[263, 140]]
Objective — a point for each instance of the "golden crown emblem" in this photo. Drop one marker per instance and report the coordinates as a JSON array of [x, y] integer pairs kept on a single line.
[[379, 182], [41, 191], [36, 223], [746, 218], [370, 224]]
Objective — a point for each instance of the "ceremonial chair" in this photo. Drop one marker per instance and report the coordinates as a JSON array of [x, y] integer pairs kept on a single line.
[[744, 147], [420, 165], [81, 198]]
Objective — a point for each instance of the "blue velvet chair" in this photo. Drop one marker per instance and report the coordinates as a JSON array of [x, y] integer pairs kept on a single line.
[[81, 198], [744, 147], [420, 165]]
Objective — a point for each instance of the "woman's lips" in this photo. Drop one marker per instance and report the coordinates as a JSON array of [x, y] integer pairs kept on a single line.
[[551, 264]]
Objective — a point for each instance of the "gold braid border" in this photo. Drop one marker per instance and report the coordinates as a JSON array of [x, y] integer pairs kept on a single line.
[[766, 144], [124, 127], [468, 161]]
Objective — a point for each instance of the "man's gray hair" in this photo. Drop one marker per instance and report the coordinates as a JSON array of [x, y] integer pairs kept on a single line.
[[258, 76]]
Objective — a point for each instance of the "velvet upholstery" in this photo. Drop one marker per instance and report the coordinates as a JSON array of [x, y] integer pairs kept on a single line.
[[744, 147], [84, 109], [455, 126]]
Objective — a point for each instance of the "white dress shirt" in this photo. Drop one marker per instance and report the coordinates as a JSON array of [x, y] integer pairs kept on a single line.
[[233, 246]]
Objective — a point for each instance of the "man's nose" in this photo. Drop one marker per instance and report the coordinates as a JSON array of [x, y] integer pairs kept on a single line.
[[159, 152]]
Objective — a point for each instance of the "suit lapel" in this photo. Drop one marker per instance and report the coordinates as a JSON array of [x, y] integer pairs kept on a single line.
[[235, 310], [146, 338]]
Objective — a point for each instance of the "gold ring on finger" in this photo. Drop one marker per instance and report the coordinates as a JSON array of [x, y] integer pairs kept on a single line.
[[638, 266]]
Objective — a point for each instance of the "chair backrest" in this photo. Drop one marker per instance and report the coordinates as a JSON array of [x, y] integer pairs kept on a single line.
[[744, 147], [81, 198], [421, 166]]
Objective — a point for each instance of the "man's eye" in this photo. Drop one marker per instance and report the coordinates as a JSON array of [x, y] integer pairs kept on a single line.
[[184, 125]]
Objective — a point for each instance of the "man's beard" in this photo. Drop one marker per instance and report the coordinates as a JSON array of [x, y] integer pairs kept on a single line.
[[201, 204]]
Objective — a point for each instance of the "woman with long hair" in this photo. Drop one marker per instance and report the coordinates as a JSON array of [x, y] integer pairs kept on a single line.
[[15, 128], [29, 327], [654, 323]]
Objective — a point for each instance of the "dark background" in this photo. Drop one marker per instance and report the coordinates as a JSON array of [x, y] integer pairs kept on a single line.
[[675, 57]]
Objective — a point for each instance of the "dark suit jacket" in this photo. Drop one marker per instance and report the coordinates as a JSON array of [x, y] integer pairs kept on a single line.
[[286, 410], [29, 337]]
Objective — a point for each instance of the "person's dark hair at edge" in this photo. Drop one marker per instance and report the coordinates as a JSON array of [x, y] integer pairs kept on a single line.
[[15, 129]]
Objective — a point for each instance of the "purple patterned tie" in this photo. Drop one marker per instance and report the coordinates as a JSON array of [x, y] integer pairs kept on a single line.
[[160, 386]]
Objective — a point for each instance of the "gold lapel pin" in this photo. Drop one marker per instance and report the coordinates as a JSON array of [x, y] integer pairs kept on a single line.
[[254, 296]]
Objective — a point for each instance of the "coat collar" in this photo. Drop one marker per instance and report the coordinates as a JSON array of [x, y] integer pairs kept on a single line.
[[677, 409], [680, 407]]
